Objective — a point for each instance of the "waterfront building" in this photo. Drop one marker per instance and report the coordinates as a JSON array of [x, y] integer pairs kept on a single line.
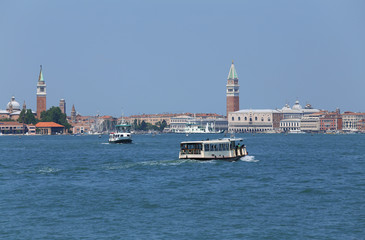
[[50, 128], [310, 123], [254, 120], [63, 106], [41, 95], [175, 118], [268, 120], [350, 121], [290, 125], [361, 126], [31, 129], [297, 112], [152, 118], [179, 123], [81, 128], [331, 121], [233, 98], [12, 128]]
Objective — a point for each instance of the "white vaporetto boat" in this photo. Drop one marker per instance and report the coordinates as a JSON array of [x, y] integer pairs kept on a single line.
[[122, 134], [230, 149]]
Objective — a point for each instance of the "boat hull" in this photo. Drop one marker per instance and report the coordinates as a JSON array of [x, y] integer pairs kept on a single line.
[[233, 159], [121, 141]]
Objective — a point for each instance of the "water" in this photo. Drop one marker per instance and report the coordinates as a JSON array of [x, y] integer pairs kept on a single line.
[[290, 187]]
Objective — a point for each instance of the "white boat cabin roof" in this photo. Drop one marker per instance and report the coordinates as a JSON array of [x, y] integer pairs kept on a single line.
[[215, 140]]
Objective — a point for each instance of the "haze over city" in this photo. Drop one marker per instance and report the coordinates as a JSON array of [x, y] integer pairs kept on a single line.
[[141, 57]]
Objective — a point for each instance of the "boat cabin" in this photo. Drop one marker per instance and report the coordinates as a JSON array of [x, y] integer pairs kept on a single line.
[[226, 149], [122, 134]]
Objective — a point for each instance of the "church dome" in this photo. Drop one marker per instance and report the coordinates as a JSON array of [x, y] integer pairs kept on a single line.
[[286, 107], [297, 106], [13, 104]]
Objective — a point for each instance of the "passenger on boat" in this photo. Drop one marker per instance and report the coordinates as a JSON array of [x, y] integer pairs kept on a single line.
[[240, 149]]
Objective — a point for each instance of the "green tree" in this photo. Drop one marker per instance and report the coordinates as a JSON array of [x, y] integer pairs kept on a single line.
[[54, 114], [27, 117], [135, 124], [143, 126]]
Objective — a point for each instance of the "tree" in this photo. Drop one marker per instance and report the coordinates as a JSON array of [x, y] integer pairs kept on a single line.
[[143, 126], [54, 114], [27, 117]]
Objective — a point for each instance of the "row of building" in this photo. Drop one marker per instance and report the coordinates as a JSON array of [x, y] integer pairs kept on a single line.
[[288, 119]]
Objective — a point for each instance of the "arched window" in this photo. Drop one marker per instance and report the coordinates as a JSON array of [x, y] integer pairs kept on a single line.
[[232, 118], [245, 118], [250, 119], [268, 119], [239, 118], [262, 119], [255, 118]]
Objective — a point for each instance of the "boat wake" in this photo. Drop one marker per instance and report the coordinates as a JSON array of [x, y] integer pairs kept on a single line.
[[147, 163], [249, 159]]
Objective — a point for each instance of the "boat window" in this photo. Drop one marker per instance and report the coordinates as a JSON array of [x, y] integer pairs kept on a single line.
[[206, 147]]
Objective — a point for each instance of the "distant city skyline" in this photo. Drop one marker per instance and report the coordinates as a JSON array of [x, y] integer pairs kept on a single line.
[[140, 57]]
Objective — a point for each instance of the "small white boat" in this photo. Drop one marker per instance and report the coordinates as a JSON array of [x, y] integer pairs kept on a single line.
[[122, 135], [230, 149]]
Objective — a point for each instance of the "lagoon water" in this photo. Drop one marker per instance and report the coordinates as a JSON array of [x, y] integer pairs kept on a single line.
[[290, 187]]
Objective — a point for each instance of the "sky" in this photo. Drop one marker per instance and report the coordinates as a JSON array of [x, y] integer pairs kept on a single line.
[[132, 57]]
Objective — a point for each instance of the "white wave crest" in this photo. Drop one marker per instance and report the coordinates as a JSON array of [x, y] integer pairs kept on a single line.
[[48, 170], [249, 159]]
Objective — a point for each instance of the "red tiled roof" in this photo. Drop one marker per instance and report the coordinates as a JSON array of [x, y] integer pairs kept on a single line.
[[48, 124], [11, 123], [354, 114]]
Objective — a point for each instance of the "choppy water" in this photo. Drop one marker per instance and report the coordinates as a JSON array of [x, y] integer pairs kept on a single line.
[[290, 187]]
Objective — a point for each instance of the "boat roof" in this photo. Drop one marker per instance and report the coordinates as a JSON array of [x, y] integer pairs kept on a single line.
[[123, 125], [215, 140]]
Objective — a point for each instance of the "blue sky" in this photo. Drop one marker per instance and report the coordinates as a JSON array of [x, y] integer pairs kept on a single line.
[[135, 57]]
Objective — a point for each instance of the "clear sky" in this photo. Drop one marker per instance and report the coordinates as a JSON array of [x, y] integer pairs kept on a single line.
[[135, 57]]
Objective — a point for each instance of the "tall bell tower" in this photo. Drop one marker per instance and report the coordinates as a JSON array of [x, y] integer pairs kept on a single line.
[[41, 95], [233, 91]]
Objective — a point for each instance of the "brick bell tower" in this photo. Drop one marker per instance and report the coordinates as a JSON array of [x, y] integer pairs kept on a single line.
[[41, 95], [233, 92]]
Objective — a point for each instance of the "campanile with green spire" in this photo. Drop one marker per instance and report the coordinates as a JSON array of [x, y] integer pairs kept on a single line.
[[41, 95], [233, 92]]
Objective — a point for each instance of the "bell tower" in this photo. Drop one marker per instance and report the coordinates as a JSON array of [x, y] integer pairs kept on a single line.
[[41, 95], [233, 92]]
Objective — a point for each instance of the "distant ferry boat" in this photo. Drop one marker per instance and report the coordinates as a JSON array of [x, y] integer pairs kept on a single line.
[[191, 128], [230, 149], [122, 134]]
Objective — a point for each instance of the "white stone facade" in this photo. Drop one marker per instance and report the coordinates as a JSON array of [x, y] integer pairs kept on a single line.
[[351, 120], [251, 120], [310, 124], [290, 125]]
